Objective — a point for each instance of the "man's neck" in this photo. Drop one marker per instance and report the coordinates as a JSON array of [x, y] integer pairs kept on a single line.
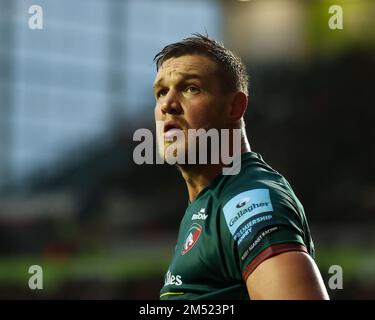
[[198, 177]]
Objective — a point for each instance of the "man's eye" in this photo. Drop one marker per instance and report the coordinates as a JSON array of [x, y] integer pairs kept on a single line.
[[161, 93], [192, 89]]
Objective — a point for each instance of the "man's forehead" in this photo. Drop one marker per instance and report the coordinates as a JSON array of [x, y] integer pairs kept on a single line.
[[186, 65]]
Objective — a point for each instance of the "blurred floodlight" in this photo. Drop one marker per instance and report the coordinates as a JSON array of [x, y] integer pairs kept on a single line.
[[267, 30]]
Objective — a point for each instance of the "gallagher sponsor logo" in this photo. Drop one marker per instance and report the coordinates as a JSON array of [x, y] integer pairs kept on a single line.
[[192, 237], [242, 202], [248, 209], [246, 205]]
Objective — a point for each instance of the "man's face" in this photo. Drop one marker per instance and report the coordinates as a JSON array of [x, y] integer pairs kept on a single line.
[[188, 96]]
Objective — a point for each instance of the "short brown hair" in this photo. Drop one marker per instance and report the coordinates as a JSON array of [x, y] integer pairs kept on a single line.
[[232, 71]]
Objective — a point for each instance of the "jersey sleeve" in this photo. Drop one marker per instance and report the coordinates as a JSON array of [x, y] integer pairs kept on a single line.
[[262, 222]]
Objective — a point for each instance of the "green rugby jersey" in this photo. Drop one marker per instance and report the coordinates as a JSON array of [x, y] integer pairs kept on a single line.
[[233, 225]]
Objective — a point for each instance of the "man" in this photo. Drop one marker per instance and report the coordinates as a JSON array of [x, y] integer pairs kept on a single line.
[[242, 236]]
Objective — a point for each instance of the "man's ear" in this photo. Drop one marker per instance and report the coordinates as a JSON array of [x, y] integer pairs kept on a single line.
[[238, 106]]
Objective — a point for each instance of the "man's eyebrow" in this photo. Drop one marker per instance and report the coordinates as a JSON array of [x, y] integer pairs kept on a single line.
[[183, 75]]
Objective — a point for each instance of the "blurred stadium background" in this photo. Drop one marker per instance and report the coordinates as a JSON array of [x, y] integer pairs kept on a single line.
[[71, 96]]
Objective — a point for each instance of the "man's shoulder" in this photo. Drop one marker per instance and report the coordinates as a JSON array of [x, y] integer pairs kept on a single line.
[[255, 177]]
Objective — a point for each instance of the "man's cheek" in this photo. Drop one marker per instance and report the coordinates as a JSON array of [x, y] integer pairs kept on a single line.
[[156, 113], [197, 122]]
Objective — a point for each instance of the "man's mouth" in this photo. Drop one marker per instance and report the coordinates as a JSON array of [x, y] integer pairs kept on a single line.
[[171, 130]]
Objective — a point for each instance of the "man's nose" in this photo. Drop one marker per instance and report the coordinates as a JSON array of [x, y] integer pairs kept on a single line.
[[171, 104]]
